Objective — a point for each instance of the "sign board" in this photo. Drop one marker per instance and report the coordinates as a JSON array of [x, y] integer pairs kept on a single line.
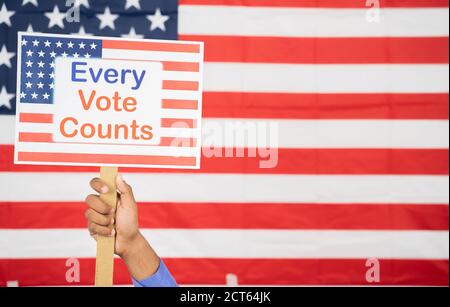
[[108, 101]]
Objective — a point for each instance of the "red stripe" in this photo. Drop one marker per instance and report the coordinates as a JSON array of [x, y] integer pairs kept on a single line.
[[102, 158], [239, 216], [180, 104], [325, 106], [291, 161], [46, 272], [152, 46], [178, 123], [36, 118], [35, 137], [181, 66], [399, 50], [319, 3], [180, 85]]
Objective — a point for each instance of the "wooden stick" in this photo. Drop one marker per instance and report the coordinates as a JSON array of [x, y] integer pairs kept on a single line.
[[104, 266]]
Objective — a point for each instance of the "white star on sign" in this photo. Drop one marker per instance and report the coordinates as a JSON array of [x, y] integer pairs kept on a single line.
[[34, 95], [35, 43], [47, 43], [24, 42], [41, 54], [158, 20], [53, 54], [5, 57], [132, 3], [46, 96], [58, 44], [93, 46], [40, 75], [70, 45], [5, 15], [34, 2], [107, 19], [29, 63], [132, 34], [81, 45], [22, 95], [56, 18], [40, 85], [29, 84], [41, 64], [29, 53], [5, 98], [29, 74]]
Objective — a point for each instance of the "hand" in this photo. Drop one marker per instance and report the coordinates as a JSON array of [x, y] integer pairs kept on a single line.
[[102, 220]]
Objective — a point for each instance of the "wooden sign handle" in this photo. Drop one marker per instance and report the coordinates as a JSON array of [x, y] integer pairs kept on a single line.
[[104, 266]]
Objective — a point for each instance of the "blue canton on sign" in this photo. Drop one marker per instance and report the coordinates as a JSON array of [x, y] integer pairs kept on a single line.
[[38, 63], [157, 19]]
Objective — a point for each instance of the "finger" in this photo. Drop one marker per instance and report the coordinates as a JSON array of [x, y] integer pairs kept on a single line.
[[126, 192], [99, 186], [96, 229], [95, 203], [98, 218]]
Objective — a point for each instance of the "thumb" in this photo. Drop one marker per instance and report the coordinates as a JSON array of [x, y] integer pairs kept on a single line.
[[126, 192]]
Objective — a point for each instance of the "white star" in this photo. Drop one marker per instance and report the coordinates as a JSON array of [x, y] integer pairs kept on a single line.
[[30, 29], [5, 98], [5, 15], [53, 54], [107, 19], [76, 55], [29, 84], [58, 44], [64, 54], [29, 74], [158, 20], [93, 46], [40, 75], [70, 45], [56, 18], [41, 64], [132, 34], [52, 75], [47, 43], [132, 3], [87, 56], [34, 95], [81, 31], [22, 95], [52, 85], [35, 43], [24, 42], [29, 63], [29, 53], [81, 45], [46, 96], [40, 85], [82, 2], [34, 2], [5, 57], [52, 64], [41, 54]]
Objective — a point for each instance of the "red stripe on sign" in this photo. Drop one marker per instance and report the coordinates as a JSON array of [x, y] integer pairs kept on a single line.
[[17, 215], [180, 104], [35, 137], [152, 46], [319, 3], [181, 66], [290, 161], [398, 50], [178, 123], [325, 106], [102, 158], [180, 85], [48, 272], [36, 118]]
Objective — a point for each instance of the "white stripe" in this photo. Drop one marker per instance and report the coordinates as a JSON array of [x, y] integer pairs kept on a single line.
[[301, 133], [237, 188], [181, 76], [290, 244], [306, 22], [151, 55], [318, 78]]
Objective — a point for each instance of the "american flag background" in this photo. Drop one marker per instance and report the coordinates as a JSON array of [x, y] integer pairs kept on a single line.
[[360, 99]]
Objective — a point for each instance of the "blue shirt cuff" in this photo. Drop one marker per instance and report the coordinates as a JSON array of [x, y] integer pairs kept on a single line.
[[162, 278]]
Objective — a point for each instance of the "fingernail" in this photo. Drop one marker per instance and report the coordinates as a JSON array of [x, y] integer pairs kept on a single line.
[[112, 221], [113, 233], [119, 178], [104, 189]]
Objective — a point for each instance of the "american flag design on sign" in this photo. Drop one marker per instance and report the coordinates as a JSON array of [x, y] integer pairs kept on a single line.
[[362, 173], [180, 103]]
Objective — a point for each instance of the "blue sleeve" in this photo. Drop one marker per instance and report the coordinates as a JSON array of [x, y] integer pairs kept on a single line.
[[162, 278]]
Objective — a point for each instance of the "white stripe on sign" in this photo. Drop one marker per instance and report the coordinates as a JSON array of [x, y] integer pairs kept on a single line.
[[237, 188], [317, 78], [299, 133], [151, 55], [305, 22], [290, 244]]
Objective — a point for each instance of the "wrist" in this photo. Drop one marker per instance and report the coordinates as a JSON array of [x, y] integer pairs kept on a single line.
[[132, 246]]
